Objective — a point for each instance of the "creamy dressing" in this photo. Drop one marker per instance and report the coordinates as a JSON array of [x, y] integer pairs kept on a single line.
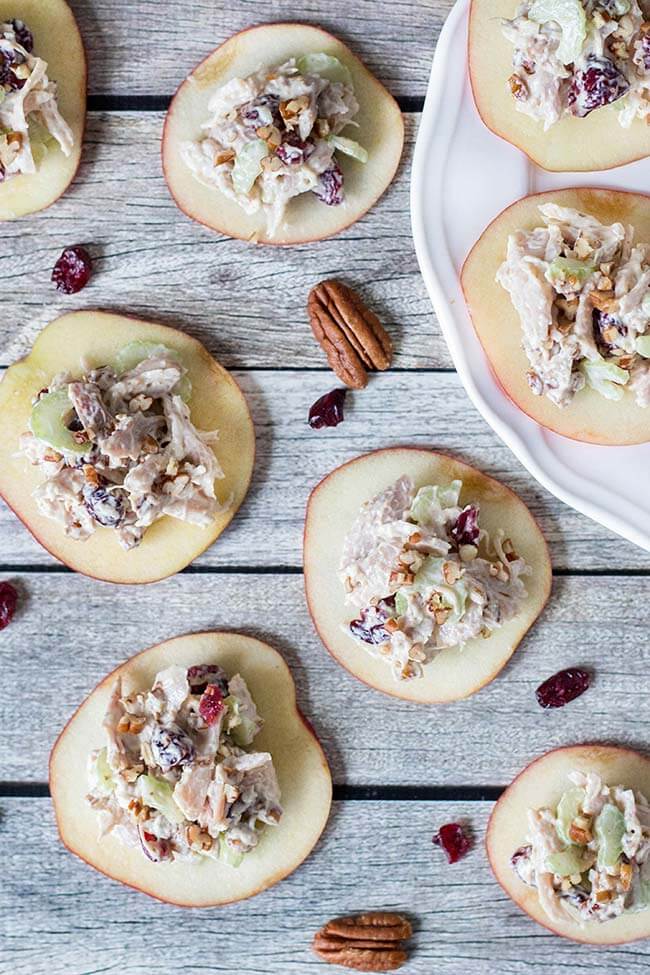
[[582, 293], [137, 457], [273, 136], [175, 778], [586, 55], [424, 576], [29, 114], [589, 857]]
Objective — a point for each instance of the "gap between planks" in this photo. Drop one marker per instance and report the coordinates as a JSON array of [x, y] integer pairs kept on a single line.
[[341, 793]]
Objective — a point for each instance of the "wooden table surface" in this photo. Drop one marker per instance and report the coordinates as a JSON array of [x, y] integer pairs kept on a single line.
[[400, 771]]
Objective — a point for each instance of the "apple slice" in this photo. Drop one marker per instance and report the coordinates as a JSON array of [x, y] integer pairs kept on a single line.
[[57, 40], [589, 417], [596, 142], [541, 784], [333, 507], [216, 403], [301, 767], [380, 131]]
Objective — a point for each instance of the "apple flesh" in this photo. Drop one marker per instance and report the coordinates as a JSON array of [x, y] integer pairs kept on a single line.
[[589, 417], [572, 144], [334, 505], [56, 40], [380, 131], [301, 767], [216, 403], [542, 784]]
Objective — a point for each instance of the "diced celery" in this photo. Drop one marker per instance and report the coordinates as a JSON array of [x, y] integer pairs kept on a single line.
[[570, 270], [609, 831], [159, 794], [570, 16], [575, 859], [103, 773], [136, 352], [568, 808], [605, 377], [325, 65], [48, 422], [642, 346], [228, 855], [248, 165], [349, 147]]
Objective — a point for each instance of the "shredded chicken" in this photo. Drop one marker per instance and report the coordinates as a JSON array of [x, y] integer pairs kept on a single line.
[[425, 577], [144, 458], [29, 115], [589, 857], [174, 777], [594, 53], [582, 292], [273, 135]]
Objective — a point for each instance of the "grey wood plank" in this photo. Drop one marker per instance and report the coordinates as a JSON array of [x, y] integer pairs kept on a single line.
[[65, 919], [71, 631], [156, 44], [422, 408], [247, 302]]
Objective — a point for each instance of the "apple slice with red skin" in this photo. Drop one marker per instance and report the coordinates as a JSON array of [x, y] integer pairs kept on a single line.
[[216, 403], [300, 764], [56, 40], [541, 784], [380, 132], [573, 144], [589, 417], [331, 511]]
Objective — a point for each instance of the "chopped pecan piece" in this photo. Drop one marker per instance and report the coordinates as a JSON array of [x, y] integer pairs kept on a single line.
[[371, 942], [351, 335]]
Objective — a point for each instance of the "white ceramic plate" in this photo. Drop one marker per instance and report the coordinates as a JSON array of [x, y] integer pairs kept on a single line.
[[463, 176]]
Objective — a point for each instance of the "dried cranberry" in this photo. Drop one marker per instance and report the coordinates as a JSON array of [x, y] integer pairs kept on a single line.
[[328, 410], [171, 747], [293, 151], [603, 322], [199, 676], [154, 849], [562, 687], [106, 508], [211, 704], [72, 270], [370, 625], [599, 83], [466, 530], [330, 186], [453, 840], [265, 110], [8, 601], [24, 36]]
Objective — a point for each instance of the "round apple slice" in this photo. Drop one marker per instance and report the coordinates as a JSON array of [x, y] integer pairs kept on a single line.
[[589, 417], [541, 785], [216, 403], [380, 132], [333, 507], [301, 767], [588, 144], [56, 40]]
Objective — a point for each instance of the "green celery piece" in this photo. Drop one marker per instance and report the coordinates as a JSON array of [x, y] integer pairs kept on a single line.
[[325, 65], [248, 165], [568, 808], [574, 859], [570, 17], [48, 422], [609, 831]]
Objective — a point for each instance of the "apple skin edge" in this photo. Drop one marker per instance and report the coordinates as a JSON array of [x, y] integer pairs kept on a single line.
[[486, 300], [247, 666], [584, 754], [499, 115], [8, 9], [396, 690], [156, 570], [393, 126]]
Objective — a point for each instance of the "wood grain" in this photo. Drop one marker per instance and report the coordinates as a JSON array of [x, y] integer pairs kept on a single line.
[[72, 631], [67, 920], [247, 303], [414, 407], [139, 49]]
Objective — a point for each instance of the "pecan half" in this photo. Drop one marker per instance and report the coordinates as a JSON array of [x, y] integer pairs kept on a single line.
[[352, 337], [370, 942]]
